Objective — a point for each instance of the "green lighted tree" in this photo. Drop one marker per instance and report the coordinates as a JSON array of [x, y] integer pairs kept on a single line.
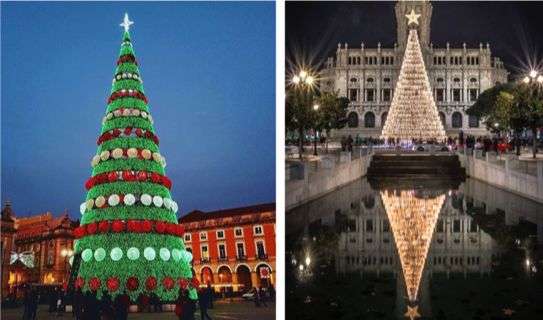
[[129, 239]]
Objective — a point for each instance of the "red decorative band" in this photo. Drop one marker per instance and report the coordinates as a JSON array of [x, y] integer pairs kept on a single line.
[[129, 176], [127, 132], [127, 58], [151, 283], [129, 226], [127, 94]]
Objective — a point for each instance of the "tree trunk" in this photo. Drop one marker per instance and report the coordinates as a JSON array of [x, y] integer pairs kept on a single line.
[[534, 142], [314, 142], [300, 142]]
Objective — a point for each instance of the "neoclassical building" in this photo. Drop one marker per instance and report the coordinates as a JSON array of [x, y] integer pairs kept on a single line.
[[367, 76], [233, 249]]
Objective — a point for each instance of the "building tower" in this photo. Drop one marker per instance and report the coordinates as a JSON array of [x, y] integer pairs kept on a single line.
[[402, 9]]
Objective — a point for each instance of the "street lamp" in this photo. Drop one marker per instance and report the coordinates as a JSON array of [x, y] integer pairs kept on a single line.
[[534, 80], [316, 109]]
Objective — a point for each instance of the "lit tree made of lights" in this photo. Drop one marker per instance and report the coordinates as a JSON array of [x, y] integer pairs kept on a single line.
[[413, 113]]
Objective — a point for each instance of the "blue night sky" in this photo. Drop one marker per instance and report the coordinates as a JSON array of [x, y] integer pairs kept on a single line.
[[209, 74]]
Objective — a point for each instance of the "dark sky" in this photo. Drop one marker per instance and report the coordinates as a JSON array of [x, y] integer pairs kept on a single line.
[[513, 29], [208, 71]]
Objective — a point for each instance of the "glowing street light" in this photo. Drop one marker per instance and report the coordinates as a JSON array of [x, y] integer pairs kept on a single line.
[[533, 74], [526, 79], [303, 74], [316, 107], [307, 261], [296, 79]]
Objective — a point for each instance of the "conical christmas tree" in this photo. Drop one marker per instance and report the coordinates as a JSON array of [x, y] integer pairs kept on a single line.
[[129, 238], [413, 218], [413, 113]]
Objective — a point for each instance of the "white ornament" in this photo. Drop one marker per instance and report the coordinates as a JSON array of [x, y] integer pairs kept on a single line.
[[164, 254], [149, 253], [136, 112], [176, 254], [129, 76], [99, 254], [144, 114], [174, 206], [146, 199], [133, 253], [167, 202], [83, 207], [126, 112], [113, 200], [129, 199], [118, 77], [157, 201], [123, 90], [86, 255], [116, 254]]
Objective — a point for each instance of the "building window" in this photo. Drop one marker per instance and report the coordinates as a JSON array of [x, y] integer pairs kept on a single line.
[[440, 95], [238, 232], [386, 94], [386, 80], [354, 80], [473, 226], [456, 225], [370, 80], [456, 95], [457, 120], [203, 236], [352, 120], [258, 230], [369, 225], [220, 234], [439, 226], [439, 80], [187, 237], [473, 121], [369, 120], [456, 79], [386, 226], [442, 118], [241, 249], [384, 118], [472, 95], [370, 95], [473, 80], [205, 253], [260, 249], [222, 251], [353, 95]]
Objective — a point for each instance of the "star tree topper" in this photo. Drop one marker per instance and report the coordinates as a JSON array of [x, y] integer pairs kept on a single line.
[[126, 23], [413, 17], [412, 312]]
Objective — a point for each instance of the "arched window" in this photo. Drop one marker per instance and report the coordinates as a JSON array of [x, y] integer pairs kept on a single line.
[[442, 118], [473, 80], [369, 120], [384, 118], [370, 80], [439, 79], [386, 80], [456, 79], [352, 120], [457, 120], [473, 121], [354, 80]]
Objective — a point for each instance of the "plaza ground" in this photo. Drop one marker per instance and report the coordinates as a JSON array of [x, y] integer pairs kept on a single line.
[[222, 310]]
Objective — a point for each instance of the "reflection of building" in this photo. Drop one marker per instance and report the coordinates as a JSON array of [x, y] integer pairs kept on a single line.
[[367, 76], [233, 248], [46, 238]]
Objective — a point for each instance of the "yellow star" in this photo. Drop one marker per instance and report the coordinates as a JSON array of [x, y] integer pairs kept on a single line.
[[412, 312], [508, 312], [412, 17]]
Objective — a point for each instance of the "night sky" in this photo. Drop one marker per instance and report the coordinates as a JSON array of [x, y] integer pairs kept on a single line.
[[513, 29], [209, 74]]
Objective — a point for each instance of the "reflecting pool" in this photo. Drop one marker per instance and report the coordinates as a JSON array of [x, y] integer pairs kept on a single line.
[[423, 248]]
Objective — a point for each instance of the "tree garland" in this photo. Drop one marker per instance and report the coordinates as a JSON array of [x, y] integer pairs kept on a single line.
[[133, 212]]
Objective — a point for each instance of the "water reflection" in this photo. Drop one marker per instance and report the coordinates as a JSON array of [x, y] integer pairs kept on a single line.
[[392, 249]]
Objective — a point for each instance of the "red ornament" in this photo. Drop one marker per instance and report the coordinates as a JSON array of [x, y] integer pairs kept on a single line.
[[112, 176], [116, 132], [91, 228], [79, 232], [89, 184], [103, 226], [146, 226], [139, 132], [148, 134], [171, 228], [160, 227], [183, 283], [137, 226], [117, 226], [94, 284], [167, 182], [142, 176], [168, 283], [127, 175], [79, 282], [132, 283], [127, 131], [180, 230], [150, 283], [113, 284], [155, 177]]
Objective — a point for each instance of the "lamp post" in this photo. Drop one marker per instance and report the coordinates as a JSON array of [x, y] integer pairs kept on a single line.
[[303, 83], [534, 80], [316, 109]]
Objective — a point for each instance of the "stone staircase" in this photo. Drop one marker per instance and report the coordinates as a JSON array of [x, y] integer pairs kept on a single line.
[[416, 165]]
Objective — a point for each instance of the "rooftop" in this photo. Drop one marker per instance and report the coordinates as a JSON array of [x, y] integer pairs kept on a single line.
[[223, 213]]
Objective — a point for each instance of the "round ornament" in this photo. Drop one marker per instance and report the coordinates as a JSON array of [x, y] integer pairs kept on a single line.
[[157, 201], [90, 204], [117, 153], [117, 226], [95, 160], [150, 283], [113, 200], [126, 112], [117, 113], [113, 284], [174, 206], [144, 114], [176, 254], [118, 77], [146, 154], [86, 255], [116, 254], [132, 283], [112, 176], [133, 253], [132, 153], [149, 253], [83, 207], [94, 284], [168, 283], [104, 155], [109, 116], [167, 203], [156, 156], [136, 112], [100, 201], [142, 176], [79, 282], [99, 254], [164, 254], [146, 199], [129, 199], [187, 256]]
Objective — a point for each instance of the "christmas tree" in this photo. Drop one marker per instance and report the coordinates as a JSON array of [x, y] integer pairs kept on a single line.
[[129, 239], [413, 113]]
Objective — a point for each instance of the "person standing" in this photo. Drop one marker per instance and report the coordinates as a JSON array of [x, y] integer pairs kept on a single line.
[[262, 296], [203, 301]]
